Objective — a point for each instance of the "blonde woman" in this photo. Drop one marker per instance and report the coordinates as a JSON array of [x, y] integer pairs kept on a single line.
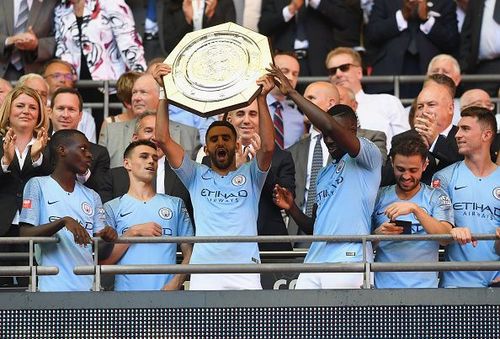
[[23, 125]]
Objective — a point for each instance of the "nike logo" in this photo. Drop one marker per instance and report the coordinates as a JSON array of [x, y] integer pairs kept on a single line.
[[380, 213], [459, 187], [124, 214], [52, 202]]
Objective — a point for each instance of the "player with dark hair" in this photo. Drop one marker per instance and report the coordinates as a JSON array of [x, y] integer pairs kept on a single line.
[[346, 191], [410, 207], [143, 212], [59, 205], [473, 186]]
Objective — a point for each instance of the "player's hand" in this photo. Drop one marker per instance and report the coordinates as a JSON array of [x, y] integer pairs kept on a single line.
[[463, 236], [9, 147], [148, 229], [80, 234], [497, 233], [388, 228], [282, 197], [210, 6], [280, 79], [267, 84], [426, 126], [158, 71], [107, 234], [39, 144], [394, 210], [27, 41], [172, 285]]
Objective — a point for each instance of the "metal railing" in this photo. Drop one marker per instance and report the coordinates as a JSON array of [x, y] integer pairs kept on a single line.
[[365, 266], [396, 80]]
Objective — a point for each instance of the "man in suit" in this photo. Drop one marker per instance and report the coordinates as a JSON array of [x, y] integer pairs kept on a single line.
[[303, 27], [407, 35], [66, 111], [282, 172], [433, 121], [145, 93], [479, 46], [26, 36], [117, 181]]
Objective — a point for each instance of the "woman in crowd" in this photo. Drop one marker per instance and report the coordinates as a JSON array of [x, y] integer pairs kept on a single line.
[[23, 126]]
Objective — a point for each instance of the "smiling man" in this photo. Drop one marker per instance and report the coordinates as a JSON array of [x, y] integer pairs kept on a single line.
[[427, 210], [59, 205], [473, 186]]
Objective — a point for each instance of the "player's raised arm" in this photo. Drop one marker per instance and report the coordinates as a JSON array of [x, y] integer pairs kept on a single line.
[[266, 127], [326, 123], [172, 150]]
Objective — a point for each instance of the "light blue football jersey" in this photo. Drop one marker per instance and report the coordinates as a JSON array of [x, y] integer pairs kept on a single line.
[[45, 201], [224, 206], [168, 212], [438, 205], [476, 204], [346, 192]]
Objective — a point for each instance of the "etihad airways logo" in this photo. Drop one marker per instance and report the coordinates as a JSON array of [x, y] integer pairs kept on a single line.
[[224, 197], [474, 209]]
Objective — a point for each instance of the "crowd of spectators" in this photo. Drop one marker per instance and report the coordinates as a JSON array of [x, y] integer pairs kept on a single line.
[[336, 142]]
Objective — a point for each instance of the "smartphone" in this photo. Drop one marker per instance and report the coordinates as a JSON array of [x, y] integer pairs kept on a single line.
[[405, 224]]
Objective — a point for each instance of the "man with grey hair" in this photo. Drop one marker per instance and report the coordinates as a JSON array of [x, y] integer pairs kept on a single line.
[[447, 65], [37, 83], [145, 93]]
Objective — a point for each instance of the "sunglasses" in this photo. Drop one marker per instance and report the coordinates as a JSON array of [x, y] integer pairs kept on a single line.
[[343, 68]]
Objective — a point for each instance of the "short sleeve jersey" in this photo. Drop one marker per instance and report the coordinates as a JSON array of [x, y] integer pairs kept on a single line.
[[224, 206], [45, 201], [476, 205], [168, 212], [346, 192], [436, 203]]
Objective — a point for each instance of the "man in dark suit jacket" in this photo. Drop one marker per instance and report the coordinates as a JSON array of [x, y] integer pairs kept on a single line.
[[433, 121], [470, 43], [39, 45], [116, 182], [66, 107], [303, 23], [408, 34]]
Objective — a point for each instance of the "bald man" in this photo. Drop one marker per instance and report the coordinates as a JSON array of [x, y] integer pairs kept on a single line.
[[447, 65], [145, 97], [347, 97]]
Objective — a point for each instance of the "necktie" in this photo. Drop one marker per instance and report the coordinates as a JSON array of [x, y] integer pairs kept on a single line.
[[317, 164], [20, 27], [278, 125], [496, 12]]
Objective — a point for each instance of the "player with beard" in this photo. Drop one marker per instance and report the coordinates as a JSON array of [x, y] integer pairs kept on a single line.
[[59, 205], [427, 209], [346, 191], [225, 198], [473, 186]]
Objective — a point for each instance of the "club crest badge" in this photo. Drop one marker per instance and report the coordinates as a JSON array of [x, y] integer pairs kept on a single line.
[[496, 193], [239, 180], [87, 209], [165, 213]]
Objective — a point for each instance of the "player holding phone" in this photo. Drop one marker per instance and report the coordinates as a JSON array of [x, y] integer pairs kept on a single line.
[[412, 205]]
